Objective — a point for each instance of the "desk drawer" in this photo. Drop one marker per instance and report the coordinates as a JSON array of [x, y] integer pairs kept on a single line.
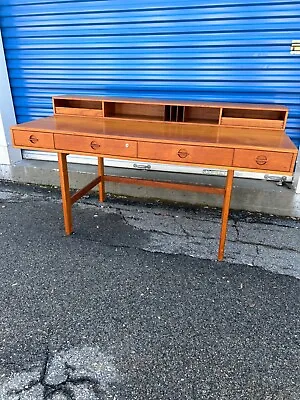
[[96, 145], [40, 140], [186, 154], [264, 160]]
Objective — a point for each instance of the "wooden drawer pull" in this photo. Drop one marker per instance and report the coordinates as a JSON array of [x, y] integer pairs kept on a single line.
[[182, 153], [33, 139], [261, 160], [94, 145]]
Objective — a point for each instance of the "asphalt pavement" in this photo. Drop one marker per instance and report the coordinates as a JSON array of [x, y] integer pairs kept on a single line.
[[134, 304]]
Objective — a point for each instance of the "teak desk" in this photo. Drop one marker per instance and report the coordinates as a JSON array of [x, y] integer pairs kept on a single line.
[[216, 135]]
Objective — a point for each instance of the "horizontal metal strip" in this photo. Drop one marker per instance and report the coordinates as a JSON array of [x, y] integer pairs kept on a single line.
[[43, 97], [269, 38], [224, 15], [166, 75], [174, 52], [210, 3], [140, 70], [274, 64], [277, 98], [219, 84], [145, 47], [153, 28], [118, 6], [117, 19], [272, 16], [169, 92], [294, 122], [294, 133], [63, 21]]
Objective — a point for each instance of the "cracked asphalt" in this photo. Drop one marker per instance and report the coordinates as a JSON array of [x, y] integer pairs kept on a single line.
[[134, 305]]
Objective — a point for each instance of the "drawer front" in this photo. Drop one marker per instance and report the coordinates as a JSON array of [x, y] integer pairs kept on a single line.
[[95, 145], [262, 160], [186, 154], [33, 139]]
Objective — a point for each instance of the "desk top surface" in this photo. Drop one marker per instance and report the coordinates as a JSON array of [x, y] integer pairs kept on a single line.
[[164, 132]]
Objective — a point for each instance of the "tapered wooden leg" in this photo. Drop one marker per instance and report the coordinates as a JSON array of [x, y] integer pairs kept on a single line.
[[101, 183], [225, 213], [65, 192]]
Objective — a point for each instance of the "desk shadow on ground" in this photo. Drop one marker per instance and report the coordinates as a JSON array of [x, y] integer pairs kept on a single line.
[[151, 228]]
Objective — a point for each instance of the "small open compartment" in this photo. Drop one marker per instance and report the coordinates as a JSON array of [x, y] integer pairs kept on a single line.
[[138, 111], [174, 113], [202, 115], [258, 118], [79, 107]]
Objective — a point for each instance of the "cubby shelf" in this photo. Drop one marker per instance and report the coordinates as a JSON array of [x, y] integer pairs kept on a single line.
[[223, 114], [84, 107]]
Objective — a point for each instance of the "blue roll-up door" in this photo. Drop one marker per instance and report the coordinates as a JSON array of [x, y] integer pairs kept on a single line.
[[212, 50]]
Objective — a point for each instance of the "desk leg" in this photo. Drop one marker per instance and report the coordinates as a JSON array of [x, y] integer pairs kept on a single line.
[[101, 183], [65, 192], [225, 213]]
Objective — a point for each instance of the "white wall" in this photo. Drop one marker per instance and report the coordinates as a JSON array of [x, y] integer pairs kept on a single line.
[[8, 155], [298, 187], [297, 175]]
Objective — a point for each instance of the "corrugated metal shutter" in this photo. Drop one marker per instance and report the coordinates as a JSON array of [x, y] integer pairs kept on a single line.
[[212, 50]]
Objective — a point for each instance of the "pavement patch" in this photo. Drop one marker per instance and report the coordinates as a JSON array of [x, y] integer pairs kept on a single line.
[[76, 374]]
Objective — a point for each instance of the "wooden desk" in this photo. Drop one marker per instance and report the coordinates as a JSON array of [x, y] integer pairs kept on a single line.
[[227, 136]]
